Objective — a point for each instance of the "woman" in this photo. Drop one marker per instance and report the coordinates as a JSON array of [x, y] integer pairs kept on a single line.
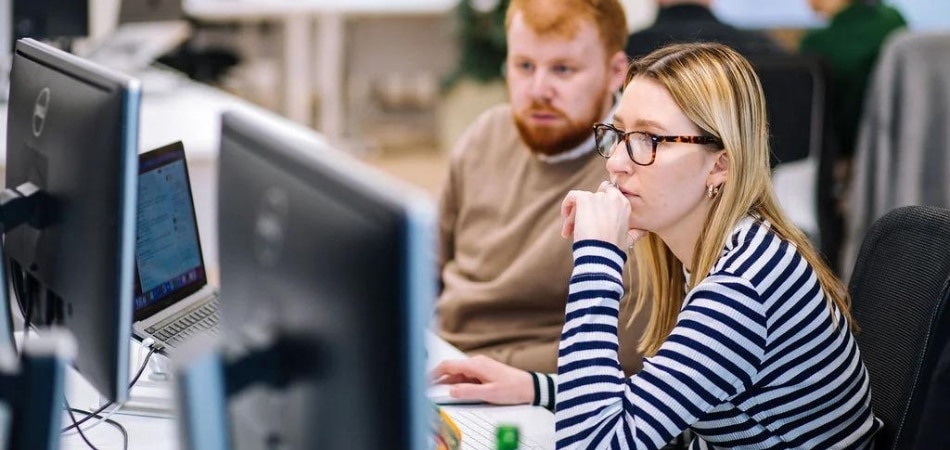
[[749, 343]]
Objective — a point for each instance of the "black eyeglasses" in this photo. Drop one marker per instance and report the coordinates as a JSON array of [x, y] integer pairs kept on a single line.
[[641, 146]]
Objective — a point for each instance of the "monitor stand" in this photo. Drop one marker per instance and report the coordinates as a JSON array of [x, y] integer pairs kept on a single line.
[[153, 394]]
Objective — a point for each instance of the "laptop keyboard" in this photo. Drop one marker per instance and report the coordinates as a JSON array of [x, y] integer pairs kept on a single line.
[[203, 319], [479, 432]]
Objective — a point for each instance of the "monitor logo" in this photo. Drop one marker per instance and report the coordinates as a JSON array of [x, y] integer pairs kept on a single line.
[[270, 228], [39, 112]]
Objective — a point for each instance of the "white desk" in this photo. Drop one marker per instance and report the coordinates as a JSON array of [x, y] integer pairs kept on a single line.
[[297, 17], [150, 433]]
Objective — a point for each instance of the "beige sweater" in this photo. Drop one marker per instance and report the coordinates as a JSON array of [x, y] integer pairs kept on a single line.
[[505, 268]]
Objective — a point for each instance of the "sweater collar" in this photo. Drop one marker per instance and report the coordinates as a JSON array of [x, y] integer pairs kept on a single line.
[[586, 147]]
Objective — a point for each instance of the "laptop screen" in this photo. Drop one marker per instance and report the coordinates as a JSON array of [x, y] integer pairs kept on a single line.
[[168, 260]]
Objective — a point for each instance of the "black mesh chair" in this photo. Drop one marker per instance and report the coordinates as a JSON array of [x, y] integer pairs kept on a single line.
[[899, 290], [803, 146]]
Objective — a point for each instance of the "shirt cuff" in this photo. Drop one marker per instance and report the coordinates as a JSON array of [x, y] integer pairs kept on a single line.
[[544, 389], [598, 257]]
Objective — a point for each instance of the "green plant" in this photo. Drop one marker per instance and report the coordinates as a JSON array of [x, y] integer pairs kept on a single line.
[[480, 33]]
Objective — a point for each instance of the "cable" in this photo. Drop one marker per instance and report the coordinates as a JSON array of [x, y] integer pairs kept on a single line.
[[94, 424], [73, 417], [106, 419], [103, 407], [26, 306]]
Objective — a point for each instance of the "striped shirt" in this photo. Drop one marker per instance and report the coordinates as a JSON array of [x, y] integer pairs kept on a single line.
[[755, 360]]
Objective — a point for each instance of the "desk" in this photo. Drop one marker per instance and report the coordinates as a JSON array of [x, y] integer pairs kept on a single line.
[[297, 16], [161, 434]]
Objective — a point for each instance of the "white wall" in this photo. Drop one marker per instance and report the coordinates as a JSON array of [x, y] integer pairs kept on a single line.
[[640, 13]]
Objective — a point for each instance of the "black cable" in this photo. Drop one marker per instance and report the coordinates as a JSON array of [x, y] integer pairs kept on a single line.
[[116, 425], [81, 434], [103, 407], [26, 306]]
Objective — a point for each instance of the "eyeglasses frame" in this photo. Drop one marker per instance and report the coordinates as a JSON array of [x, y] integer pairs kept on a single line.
[[625, 135]]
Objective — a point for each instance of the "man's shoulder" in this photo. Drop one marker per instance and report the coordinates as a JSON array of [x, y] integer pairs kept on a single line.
[[492, 129]]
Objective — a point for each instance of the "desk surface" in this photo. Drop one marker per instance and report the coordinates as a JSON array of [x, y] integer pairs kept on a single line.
[[153, 433]]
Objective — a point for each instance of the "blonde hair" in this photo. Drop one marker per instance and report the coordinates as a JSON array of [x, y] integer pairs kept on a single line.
[[562, 17], [720, 92]]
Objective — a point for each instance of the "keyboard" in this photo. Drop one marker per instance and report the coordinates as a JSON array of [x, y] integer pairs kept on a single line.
[[479, 432], [203, 319]]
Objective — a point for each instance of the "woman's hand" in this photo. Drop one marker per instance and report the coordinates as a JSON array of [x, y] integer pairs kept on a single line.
[[603, 215], [484, 379]]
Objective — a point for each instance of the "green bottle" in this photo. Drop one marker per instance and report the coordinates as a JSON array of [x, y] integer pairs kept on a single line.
[[507, 437]]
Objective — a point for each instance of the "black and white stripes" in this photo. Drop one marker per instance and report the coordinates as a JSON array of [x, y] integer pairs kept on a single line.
[[756, 359]]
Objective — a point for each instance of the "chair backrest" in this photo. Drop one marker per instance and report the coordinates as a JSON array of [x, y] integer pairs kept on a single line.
[[899, 290], [802, 144]]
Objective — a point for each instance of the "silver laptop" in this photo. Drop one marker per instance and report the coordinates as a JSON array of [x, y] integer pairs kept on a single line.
[[173, 300]]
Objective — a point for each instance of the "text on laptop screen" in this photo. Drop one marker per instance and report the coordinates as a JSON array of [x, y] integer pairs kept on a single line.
[[167, 250]]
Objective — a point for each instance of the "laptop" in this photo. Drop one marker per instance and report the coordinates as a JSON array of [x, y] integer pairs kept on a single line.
[[173, 300]]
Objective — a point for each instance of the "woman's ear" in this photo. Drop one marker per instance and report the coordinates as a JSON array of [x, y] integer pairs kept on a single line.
[[720, 169]]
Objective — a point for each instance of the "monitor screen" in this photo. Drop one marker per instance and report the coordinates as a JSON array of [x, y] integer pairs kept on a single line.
[[72, 131], [50, 19], [318, 247]]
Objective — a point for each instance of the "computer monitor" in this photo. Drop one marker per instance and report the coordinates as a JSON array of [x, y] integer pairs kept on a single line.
[[49, 19], [31, 392], [72, 141], [146, 30], [131, 11], [335, 263]]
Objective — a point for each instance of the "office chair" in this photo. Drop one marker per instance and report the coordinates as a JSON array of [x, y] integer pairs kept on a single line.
[[899, 291], [803, 145]]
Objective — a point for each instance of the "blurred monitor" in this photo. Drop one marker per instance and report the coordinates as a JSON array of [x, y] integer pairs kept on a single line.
[[72, 133], [131, 11], [335, 263], [31, 392], [49, 19], [146, 30]]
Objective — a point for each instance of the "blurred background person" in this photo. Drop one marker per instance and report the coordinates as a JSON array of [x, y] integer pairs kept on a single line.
[[849, 46], [682, 21]]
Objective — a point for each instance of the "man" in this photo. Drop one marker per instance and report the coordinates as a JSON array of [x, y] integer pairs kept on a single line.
[[505, 268], [681, 21]]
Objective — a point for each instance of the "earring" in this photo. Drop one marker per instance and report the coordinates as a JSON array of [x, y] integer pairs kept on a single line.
[[712, 191]]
